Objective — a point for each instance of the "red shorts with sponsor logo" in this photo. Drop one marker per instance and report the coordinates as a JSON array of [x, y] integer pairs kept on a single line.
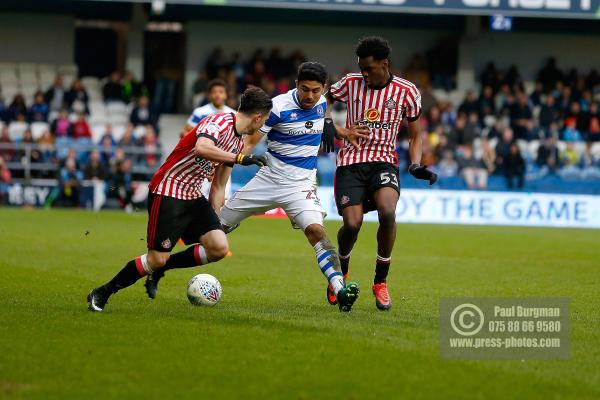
[[171, 219]]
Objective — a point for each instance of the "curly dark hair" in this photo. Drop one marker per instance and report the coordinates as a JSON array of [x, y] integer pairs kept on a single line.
[[373, 46], [215, 83]]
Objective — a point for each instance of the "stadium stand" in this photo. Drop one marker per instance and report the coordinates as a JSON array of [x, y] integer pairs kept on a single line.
[[51, 121]]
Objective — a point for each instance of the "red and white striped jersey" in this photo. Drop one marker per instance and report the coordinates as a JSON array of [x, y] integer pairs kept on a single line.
[[382, 110], [182, 174]]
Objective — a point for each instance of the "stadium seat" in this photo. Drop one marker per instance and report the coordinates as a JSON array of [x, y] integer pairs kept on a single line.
[[98, 130], [38, 129], [90, 82], [118, 132], [16, 130], [139, 131], [68, 69], [561, 145], [596, 150], [28, 75], [533, 147], [68, 80], [116, 107], [46, 74], [580, 147]]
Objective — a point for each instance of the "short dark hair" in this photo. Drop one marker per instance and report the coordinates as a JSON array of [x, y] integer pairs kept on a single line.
[[312, 71], [215, 83], [373, 46], [255, 100]]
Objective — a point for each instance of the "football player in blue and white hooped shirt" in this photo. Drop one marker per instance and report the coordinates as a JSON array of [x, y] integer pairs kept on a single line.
[[217, 96], [294, 132]]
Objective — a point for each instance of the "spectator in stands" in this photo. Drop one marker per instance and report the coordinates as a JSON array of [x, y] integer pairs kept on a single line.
[[46, 146], [55, 95], [151, 148], [495, 131], [472, 170], [77, 98], [488, 156], [112, 90], [521, 116], [487, 105], [121, 183], [30, 153], [549, 75], [142, 115], [503, 148], [472, 129], [95, 168], [512, 78], [61, 126], [504, 98], [514, 167], [38, 112], [548, 156], [469, 104], [17, 111], [7, 151], [594, 126], [107, 149], [132, 88], [537, 95], [80, 128], [456, 137], [489, 76], [570, 133], [70, 184], [5, 178], [549, 114], [570, 156], [3, 109], [447, 167], [128, 140], [582, 119]]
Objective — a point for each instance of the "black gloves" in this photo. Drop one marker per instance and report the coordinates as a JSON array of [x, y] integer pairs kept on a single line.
[[251, 159], [328, 136], [421, 172]]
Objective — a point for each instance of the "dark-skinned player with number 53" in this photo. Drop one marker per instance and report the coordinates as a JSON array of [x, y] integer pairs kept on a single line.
[[367, 175]]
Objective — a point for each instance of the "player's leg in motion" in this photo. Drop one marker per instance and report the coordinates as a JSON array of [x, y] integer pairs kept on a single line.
[[348, 233], [213, 247], [385, 200], [329, 264]]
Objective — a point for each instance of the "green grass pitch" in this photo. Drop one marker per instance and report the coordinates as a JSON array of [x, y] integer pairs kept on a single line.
[[273, 335]]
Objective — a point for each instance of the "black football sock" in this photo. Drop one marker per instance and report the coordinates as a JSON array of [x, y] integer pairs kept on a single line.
[[190, 257], [126, 277], [345, 264], [382, 267]]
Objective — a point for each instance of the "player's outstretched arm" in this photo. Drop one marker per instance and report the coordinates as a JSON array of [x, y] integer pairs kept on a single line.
[[415, 151], [216, 196]]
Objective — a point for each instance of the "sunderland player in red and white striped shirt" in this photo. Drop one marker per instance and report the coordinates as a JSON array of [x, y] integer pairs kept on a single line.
[[176, 207], [367, 176]]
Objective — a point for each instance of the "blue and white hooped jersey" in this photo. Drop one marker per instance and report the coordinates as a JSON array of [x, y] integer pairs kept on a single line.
[[293, 138], [208, 109]]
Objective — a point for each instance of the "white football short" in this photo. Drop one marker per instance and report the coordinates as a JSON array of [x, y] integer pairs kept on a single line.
[[299, 200]]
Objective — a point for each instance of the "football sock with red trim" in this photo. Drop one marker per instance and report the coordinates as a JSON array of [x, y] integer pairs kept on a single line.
[[190, 257], [382, 267], [134, 270]]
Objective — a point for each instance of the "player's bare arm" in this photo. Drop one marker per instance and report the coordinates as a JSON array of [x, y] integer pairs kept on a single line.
[[415, 151], [216, 196], [207, 149], [250, 141]]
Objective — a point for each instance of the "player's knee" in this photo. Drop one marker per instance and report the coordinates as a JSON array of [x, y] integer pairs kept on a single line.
[[352, 226], [387, 216], [157, 260], [217, 250], [315, 233]]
